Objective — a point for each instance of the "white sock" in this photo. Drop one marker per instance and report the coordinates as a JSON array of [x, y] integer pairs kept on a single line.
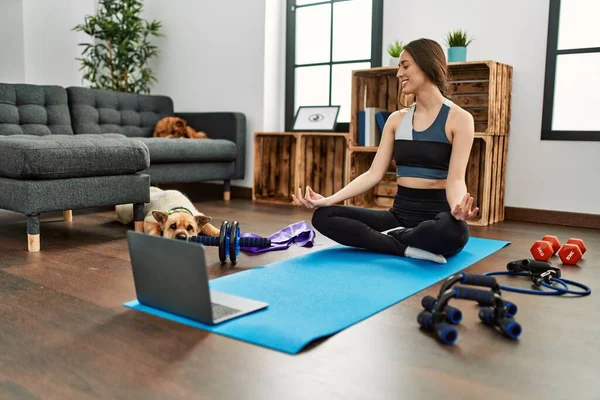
[[414, 252]]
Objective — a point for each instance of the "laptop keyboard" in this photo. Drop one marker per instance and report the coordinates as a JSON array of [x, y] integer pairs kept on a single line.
[[220, 311]]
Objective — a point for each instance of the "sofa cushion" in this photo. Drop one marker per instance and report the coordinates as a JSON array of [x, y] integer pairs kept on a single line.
[[167, 150], [34, 110], [107, 111], [68, 156]]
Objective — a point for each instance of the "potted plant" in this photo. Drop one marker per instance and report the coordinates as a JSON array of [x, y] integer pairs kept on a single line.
[[394, 49], [457, 42], [117, 59]]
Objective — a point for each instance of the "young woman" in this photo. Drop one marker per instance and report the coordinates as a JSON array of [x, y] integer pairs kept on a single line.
[[430, 142]]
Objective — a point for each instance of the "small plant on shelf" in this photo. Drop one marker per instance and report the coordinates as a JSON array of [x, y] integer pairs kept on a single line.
[[394, 49], [457, 42], [458, 38]]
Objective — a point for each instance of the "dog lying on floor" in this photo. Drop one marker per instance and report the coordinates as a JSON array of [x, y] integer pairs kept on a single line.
[[176, 128], [169, 214]]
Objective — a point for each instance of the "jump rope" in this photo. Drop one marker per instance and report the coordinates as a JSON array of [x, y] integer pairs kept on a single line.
[[543, 274]]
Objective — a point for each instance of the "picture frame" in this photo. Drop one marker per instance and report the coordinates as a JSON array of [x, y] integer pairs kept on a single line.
[[316, 118]]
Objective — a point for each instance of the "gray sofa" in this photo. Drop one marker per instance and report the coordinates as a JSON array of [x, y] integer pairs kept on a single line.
[[72, 148], [171, 161]]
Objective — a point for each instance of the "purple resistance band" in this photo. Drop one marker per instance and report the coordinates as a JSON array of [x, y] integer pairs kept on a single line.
[[299, 232]]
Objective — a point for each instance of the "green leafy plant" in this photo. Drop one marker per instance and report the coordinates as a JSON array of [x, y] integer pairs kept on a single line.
[[458, 38], [118, 56], [395, 48]]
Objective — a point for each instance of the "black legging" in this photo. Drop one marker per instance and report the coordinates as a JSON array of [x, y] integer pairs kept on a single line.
[[424, 212]]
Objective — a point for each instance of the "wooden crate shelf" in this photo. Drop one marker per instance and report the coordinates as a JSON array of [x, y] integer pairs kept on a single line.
[[275, 171], [486, 176], [285, 161], [484, 89], [322, 162]]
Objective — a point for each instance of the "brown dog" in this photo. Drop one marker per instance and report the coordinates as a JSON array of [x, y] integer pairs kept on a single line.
[[179, 224], [175, 127], [169, 214]]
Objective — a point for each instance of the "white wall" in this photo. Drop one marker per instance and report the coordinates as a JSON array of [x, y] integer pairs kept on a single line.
[[274, 75], [212, 59], [12, 65], [550, 175], [50, 45]]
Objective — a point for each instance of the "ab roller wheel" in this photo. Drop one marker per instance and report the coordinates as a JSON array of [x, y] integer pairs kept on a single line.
[[230, 242], [232, 246], [222, 243]]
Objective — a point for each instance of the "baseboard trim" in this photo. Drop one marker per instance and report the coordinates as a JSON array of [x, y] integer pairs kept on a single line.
[[199, 191], [578, 220]]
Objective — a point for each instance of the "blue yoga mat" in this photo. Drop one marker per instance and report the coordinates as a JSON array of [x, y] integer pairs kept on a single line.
[[325, 291]]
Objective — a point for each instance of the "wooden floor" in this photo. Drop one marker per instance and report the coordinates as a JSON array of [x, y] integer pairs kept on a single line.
[[64, 333]]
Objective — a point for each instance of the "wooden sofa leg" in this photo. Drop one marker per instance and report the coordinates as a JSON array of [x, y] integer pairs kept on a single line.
[[33, 233], [138, 217], [227, 190], [68, 215]]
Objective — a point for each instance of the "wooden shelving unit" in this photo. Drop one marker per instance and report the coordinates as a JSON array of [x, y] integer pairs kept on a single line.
[[327, 161], [285, 161]]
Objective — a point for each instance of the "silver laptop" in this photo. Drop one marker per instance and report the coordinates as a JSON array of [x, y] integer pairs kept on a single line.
[[170, 275]]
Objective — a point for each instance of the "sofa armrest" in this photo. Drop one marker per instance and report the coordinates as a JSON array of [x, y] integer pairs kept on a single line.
[[222, 125]]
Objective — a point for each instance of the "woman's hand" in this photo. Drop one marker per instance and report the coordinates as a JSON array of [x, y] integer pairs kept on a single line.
[[310, 199], [462, 211]]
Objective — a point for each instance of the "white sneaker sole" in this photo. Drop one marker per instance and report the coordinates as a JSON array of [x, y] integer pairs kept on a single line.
[[393, 229]]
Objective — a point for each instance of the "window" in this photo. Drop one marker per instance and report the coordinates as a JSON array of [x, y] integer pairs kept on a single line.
[[571, 101], [326, 40]]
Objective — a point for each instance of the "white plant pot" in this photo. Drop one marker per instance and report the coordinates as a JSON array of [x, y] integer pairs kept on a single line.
[[393, 61]]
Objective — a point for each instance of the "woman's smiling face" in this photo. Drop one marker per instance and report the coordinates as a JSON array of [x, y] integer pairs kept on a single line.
[[409, 74]]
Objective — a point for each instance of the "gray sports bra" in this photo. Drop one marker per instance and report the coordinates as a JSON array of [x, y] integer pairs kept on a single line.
[[423, 154]]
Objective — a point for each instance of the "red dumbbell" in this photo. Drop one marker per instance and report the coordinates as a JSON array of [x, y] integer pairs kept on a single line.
[[578, 242], [542, 250], [572, 251], [553, 241]]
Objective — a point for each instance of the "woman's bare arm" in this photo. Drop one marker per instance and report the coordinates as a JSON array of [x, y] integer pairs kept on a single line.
[[463, 134]]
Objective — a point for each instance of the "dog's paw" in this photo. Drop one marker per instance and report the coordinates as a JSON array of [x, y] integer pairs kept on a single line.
[[210, 230]]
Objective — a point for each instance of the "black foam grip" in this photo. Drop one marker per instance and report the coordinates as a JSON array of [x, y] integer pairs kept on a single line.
[[486, 314], [205, 240], [485, 298], [511, 309], [425, 319], [428, 302], [255, 242], [453, 314], [510, 327], [479, 280]]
